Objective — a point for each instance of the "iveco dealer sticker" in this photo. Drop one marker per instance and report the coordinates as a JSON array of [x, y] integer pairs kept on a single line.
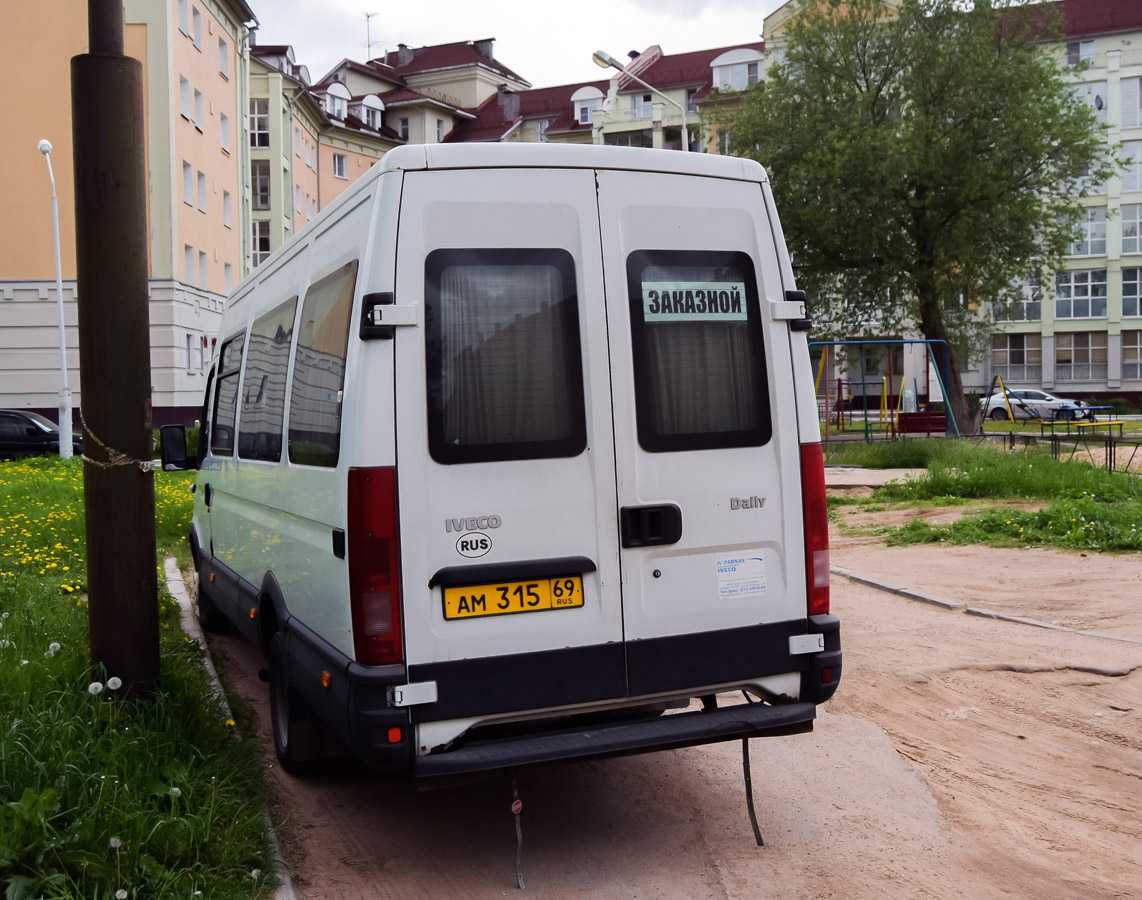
[[740, 576]]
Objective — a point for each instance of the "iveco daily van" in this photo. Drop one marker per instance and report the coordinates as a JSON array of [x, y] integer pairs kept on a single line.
[[512, 454]]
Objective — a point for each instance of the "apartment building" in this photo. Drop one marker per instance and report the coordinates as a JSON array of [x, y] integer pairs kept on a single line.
[[1081, 336], [195, 81]]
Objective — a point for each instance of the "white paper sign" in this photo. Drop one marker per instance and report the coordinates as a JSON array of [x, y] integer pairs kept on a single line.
[[740, 576], [693, 301]]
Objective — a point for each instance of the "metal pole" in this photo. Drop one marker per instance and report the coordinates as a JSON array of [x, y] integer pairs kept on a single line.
[[45, 147], [605, 59], [111, 269]]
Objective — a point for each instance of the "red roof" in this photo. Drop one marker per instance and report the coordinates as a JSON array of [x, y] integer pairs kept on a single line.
[[682, 69], [552, 103], [1101, 16], [445, 56]]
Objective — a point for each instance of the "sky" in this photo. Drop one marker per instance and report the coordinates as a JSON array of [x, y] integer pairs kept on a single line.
[[546, 43]]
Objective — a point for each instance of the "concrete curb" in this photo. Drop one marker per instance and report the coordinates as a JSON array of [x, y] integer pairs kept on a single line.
[[189, 622], [952, 606]]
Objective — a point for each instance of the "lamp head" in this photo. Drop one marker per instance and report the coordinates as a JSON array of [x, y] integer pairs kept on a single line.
[[605, 61], [45, 146]]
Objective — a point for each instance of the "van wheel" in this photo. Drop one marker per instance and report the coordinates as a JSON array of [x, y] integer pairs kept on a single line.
[[294, 724], [998, 415], [210, 617]]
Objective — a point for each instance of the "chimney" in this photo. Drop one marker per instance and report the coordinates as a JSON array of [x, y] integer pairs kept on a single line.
[[633, 55], [404, 55], [484, 47], [509, 101]]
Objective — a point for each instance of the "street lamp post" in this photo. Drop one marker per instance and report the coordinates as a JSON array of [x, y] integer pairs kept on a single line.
[[45, 147], [605, 60]]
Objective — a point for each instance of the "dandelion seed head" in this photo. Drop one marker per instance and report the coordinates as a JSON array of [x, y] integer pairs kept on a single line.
[[116, 843], [95, 688], [175, 793], [54, 646], [256, 874], [120, 894], [114, 683]]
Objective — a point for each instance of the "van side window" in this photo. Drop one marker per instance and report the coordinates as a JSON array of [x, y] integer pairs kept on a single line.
[[319, 369], [226, 397], [263, 402], [699, 356], [505, 370]]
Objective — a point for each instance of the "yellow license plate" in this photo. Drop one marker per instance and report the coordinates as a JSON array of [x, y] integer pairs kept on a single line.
[[510, 597]]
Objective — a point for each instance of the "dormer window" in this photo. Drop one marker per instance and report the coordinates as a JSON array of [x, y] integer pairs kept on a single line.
[[587, 101], [373, 118], [736, 70], [336, 106]]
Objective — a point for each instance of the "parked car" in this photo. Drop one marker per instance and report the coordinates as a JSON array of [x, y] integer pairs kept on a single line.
[[24, 433], [1033, 404]]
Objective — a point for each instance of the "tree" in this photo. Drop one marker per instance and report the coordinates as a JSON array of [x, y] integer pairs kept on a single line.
[[926, 157]]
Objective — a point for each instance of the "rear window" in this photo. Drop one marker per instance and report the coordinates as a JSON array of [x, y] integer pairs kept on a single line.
[[699, 356], [505, 376]]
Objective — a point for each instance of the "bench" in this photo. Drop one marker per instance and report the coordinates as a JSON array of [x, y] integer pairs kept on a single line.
[[921, 422], [1110, 423]]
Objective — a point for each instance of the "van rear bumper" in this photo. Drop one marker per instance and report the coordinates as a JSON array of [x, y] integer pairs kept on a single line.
[[668, 732]]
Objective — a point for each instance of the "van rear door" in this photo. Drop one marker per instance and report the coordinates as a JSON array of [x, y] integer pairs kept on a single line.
[[705, 431], [505, 449]]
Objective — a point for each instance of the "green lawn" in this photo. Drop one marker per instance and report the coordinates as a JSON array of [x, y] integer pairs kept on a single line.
[[102, 796]]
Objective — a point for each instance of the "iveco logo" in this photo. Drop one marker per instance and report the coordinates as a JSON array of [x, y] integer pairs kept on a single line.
[[472, 523], [473, 544], [754, 502]]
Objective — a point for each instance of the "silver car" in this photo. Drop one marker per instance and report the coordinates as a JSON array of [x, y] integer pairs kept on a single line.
[[1031, 404]]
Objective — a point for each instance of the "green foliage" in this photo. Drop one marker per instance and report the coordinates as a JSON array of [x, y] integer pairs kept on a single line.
[[99, 792], [917, 157]]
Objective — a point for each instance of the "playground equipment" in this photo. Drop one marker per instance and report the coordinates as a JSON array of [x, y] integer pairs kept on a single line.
[[837, 407]]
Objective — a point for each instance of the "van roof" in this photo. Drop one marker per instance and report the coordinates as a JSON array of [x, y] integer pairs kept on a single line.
[[570, 156]]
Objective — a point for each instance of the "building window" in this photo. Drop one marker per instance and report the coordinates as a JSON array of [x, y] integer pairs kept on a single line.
[[184, 97], [1093, 93], [543, 125], [311, 154], [1027, 309], [1080, 294], [1080, 356], [202, 192], [261, 236], [182, 20], [1132, 174], [226, 211], [196, 27], [439, 130], [1131, 102], [1130, 292], [191, 346], [224, 131], [1090, 234], [297, 198], [297, 142], [691, 102], [187, 183], [404, 129], [1132, 354], [188, 264], [737, 77], [1131, 227], [642, 105], [202, 279], [259, 123], [223, 58], [336, 106], [725, 142], [587, 110], [340, 165], [1080, 52], [260, 181], [198, 120], [227, 277], [373, 117], [1017, 357]]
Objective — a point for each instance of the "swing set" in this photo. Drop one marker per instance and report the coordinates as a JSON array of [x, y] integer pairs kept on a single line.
[[891, 418]]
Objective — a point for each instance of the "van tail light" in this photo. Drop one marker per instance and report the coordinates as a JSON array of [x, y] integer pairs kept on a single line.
[[374, 566], [815, 509]]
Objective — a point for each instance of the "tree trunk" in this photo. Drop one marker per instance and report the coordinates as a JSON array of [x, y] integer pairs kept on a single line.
[[932, 327]]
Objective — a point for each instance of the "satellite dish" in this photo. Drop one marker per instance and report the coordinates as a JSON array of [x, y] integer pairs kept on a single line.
[[1098, 104]]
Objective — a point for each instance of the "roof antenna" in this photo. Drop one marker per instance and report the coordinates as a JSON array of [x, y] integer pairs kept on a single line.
[[368, 36]]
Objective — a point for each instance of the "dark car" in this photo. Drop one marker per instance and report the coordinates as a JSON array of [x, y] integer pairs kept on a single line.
[[24, 433]]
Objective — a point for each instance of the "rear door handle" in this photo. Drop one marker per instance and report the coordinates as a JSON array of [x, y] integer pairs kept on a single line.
[[207, 493], [648, 526]]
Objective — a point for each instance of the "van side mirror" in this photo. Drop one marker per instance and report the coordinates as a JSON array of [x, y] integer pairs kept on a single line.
[[172, 445]]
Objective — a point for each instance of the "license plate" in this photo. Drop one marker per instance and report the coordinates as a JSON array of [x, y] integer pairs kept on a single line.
[[506, 598]]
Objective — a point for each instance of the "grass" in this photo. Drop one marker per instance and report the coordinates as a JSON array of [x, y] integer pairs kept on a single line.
[[103, 796], [1085, 507]]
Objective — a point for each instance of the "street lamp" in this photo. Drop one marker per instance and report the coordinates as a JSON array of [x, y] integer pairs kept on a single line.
[[605, 61], [45, 147]]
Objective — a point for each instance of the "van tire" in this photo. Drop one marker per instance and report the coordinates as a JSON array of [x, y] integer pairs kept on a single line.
[[294, 725]]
